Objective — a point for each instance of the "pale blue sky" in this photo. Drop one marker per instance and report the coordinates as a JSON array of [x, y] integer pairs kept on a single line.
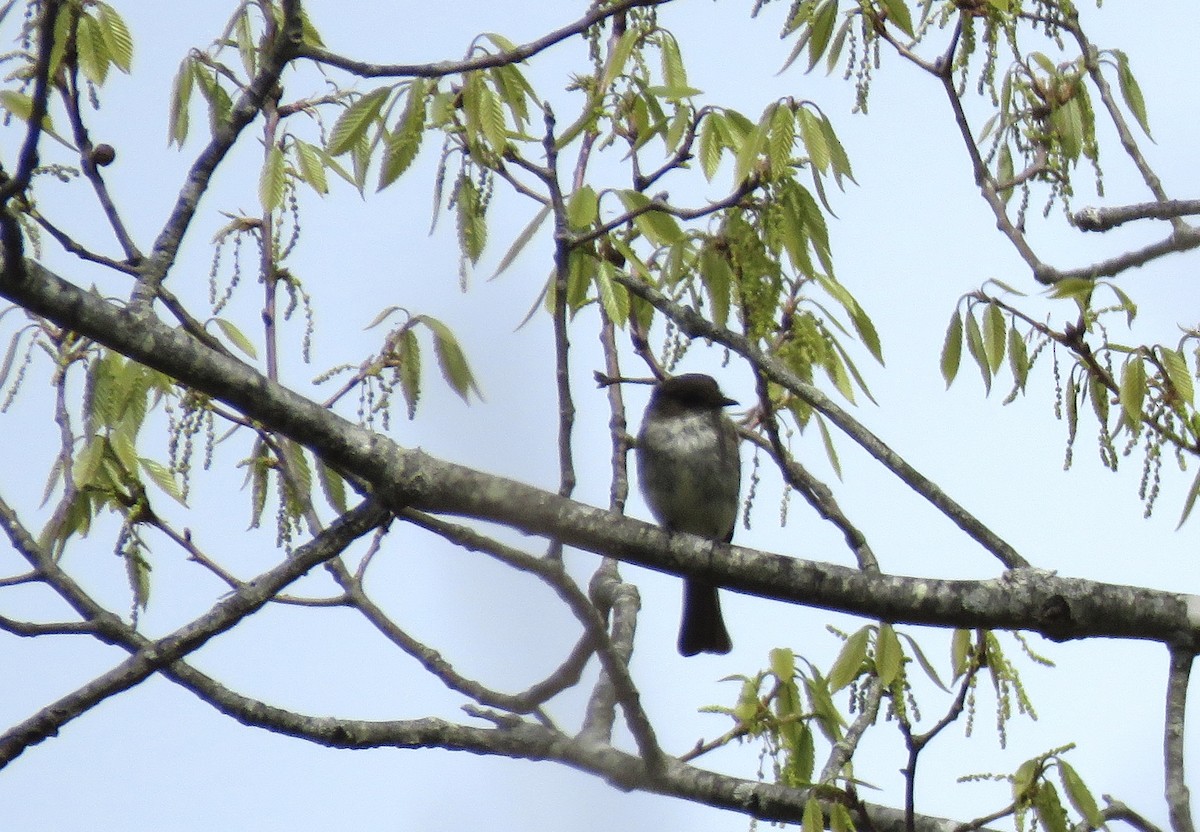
[[908, 241]]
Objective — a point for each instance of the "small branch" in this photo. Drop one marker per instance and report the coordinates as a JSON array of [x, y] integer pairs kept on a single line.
[[32, 629], [1103, 219], [1177, 793], [363, 69]]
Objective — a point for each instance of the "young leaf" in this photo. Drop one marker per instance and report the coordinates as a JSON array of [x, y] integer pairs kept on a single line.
[[404, 142], [163, 478], [272, 181], [1131, 92], [660, 228], [352, 124], [952, 348], [1133, 391], [995, 328], [181, 93], [230, 331], [451, 360], [522, 240], [1178, 375], [116, 37], [849, 662], [410, 370], [889, 656], [978, 351], [1080, 795], [312, 166]]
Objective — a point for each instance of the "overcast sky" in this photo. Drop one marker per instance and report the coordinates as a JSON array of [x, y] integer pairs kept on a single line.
[[909, 240]]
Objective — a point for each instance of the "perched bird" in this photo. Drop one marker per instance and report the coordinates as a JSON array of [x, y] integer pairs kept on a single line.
[[690, 474]]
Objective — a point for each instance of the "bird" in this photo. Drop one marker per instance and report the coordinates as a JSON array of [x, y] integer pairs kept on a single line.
[[690, 475]]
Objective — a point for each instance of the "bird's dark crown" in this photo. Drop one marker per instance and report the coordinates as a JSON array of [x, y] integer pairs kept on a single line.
[[694, 390]]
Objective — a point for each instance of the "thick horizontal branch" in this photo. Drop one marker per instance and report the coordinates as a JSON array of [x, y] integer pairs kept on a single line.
[[1059, 608]]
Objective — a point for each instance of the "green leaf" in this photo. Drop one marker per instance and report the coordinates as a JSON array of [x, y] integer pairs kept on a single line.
[[1133, 391], [522, 240], [830, 449], [889, 656], [897, 12], [783, 663], [352, 124], [619, 56], [711, 144], [995, 328], [1049, 808], [272, 181], [583, 208], [978, 351], [239, 339], [116, 36], [850, 660], [613, 296], [1131, 92], [161, 476], [1178, 375], [1080, 795], [660, 228], [332, 486], [181, 93], [960, 650], [87, 462], [410, 370], [1190, 501], [451, 359], [1023, 780], [814, 818], [717, 277], [822, 27], [312, 166], [402, 144], [472, 226], [91, 49], [815, 140], [952, 349]]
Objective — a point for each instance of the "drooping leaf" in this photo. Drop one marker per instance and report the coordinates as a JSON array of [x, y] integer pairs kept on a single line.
[[354, 121], [1131, 91], [272, 181], [850, 660], [889, 656], [451, 359], [1080, 795], [1133, 391], [952, 348]]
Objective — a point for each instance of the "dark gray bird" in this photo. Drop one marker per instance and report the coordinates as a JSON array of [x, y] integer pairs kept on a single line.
[[690, 473]]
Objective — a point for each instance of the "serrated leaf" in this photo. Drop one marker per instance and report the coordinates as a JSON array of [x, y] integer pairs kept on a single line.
[[181, 94], [1131, 91], [410, 370], [161, 476], [451, 359], [404, 143], [814, 818], [923, 661], [518, 245], [717, 277], [830, 448], [354, 121], [1049, 808], [1023, 780], [1178, 375], [978, 352], [272, 181], [897, 12], [1080, 795], [613, 296], [814, 139], [583, 208], [850, 659], [952, 348], [87, 462], [823, 21], [91, 50], [312, 166], [995, 329], [889, 656], [116, 37], [1133, 391], [660, 228], [619, 56], [710, 145], [1018, 357], [239, 339]]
